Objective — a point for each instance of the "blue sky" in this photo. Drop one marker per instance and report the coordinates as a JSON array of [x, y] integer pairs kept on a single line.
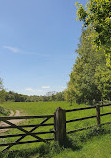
[[38, 39]]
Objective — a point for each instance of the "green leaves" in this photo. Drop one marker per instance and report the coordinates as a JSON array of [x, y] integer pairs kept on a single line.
[[90, 80], [2, 92], [97, 14], [103, 81]]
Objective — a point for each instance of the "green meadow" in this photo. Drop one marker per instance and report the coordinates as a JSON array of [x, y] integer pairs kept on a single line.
[[92, 143]]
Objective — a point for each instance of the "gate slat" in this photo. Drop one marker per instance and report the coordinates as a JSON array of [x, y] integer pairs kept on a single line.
[[27, 133]]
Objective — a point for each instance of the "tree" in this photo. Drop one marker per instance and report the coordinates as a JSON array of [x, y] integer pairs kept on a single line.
[[70, 95], [2, 92], [59, 96], [82, 85], [98, 15]]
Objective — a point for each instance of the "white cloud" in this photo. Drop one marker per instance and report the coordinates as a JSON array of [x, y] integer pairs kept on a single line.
[[20, 51], [12, 49], [45, 87], [30, 90], [40, 90]]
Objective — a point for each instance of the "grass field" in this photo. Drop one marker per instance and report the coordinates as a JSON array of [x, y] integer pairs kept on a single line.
[[93, 143]]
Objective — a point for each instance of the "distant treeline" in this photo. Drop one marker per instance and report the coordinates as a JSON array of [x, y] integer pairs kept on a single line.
[[15, 97]]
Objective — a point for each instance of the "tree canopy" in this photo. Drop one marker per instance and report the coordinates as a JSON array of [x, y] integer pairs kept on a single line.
[[97, 14], [90, 79]]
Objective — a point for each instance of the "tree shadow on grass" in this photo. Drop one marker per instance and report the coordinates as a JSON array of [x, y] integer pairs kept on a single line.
[[75, 142], [72, 144]]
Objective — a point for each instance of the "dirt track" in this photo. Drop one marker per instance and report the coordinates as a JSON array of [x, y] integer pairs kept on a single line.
[[17, 113]]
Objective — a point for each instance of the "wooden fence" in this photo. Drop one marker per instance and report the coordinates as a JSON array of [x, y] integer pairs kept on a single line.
[[59, 125]]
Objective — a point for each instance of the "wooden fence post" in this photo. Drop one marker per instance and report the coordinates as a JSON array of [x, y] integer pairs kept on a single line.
[[60, 125], [98, 115]]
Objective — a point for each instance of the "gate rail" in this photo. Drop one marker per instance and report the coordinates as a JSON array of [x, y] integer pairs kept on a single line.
[[26, 133]]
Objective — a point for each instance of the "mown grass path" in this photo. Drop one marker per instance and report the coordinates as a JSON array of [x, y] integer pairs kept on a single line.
[[3, 124]]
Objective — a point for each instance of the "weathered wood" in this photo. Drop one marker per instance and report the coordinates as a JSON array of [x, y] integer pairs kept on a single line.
[[86, 108], [18, 135], [98, 115], [60, 125], [104, 105], [108, 113], [24, 117], [85, 128], [80, 129], [25, 126], [80, 109], [34, 141], [80, 119], [26, 133]]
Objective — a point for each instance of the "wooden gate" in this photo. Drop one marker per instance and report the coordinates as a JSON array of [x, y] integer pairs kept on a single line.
[[7, 120]]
